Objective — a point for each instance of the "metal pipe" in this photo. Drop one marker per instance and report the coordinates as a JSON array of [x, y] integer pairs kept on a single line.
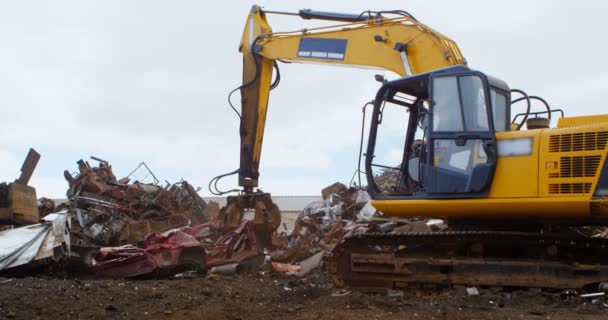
[[285, 13], [309, 14], [226, 269]]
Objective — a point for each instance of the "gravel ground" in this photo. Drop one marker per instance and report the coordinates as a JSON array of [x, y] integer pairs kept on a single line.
[[270, 297]]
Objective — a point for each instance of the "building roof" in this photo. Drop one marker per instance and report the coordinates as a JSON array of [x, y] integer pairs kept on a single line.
[[285, 203]]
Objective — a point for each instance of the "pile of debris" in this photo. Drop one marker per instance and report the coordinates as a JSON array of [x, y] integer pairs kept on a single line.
[[229, 250], [321, 224], [343, 212], [130, 227], [127, 227], [107, 211]]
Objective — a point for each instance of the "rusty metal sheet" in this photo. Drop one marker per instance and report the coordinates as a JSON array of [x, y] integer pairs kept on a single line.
[[28, 167], [46, 241]]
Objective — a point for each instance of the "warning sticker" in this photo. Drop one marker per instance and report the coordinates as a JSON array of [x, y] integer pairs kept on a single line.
[[321, 48]]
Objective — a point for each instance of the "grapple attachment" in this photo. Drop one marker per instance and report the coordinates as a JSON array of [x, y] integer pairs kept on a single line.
[[266, 219]]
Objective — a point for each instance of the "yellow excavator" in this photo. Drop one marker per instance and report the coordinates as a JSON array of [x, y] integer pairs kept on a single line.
[[18, 202], [444, 142]]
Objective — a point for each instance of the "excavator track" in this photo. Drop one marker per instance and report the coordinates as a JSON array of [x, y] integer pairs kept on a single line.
[[480, 258]]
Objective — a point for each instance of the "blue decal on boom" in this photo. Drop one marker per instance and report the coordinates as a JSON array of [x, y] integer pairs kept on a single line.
[[321, 48]]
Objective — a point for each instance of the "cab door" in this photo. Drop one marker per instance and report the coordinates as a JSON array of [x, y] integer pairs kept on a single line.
[[462, 145]]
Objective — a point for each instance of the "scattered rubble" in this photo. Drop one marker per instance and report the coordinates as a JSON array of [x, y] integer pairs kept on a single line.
[[472, 291], [255, 296], [343, 212], [597, 298], [46, 206]]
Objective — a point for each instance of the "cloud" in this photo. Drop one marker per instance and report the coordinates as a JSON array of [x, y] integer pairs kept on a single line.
[[50, 187], [133, 81], [9, 166]]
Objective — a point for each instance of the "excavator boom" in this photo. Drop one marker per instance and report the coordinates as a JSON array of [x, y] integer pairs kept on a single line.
[[388, 40]]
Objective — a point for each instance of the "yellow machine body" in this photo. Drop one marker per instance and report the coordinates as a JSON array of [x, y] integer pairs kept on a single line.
[[22, 205], [18, 202], [556, 180]]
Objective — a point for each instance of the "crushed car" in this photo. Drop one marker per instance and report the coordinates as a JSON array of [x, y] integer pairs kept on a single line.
[[171, 251], [195, 248]]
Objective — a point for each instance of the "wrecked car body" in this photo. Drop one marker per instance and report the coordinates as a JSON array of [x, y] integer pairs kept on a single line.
[[186, 249], [171, 251]]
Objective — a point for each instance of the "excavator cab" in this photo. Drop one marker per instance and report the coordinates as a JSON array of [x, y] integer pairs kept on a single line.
[[433, 135]]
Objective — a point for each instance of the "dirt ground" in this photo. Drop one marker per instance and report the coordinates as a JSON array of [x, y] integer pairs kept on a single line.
[[270, 296]]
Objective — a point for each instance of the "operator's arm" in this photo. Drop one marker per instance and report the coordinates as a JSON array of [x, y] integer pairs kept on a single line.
[[392, 41]]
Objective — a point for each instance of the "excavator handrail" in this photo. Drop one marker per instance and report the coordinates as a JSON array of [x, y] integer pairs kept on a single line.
[[538, 113], [528, 112], [309, 14], [341, 26]]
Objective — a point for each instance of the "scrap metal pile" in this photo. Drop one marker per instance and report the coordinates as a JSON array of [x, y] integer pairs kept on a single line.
[[321, 225], [110, 211], [127, 228]]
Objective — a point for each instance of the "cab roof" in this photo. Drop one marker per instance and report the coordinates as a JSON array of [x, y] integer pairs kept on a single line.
[[417, 85]]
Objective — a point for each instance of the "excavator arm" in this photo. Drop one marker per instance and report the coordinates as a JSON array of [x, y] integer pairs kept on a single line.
[[389, 40]]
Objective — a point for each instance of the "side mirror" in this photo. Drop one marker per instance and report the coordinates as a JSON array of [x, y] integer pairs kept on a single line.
[[424, 105], [423, 111], [380, 78]]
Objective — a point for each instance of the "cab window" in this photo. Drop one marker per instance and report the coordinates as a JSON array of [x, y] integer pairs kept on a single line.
[[459, 104], [499, 110]]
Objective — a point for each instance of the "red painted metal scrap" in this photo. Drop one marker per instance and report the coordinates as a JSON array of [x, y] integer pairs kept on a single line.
[[233, 246], [166, 250]]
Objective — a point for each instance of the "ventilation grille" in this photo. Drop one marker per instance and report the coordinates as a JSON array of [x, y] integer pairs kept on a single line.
[[578, 142], [577, 167], [569, 188]]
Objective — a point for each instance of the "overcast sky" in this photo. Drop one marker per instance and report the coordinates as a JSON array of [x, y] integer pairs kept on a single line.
[[132, 81]]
